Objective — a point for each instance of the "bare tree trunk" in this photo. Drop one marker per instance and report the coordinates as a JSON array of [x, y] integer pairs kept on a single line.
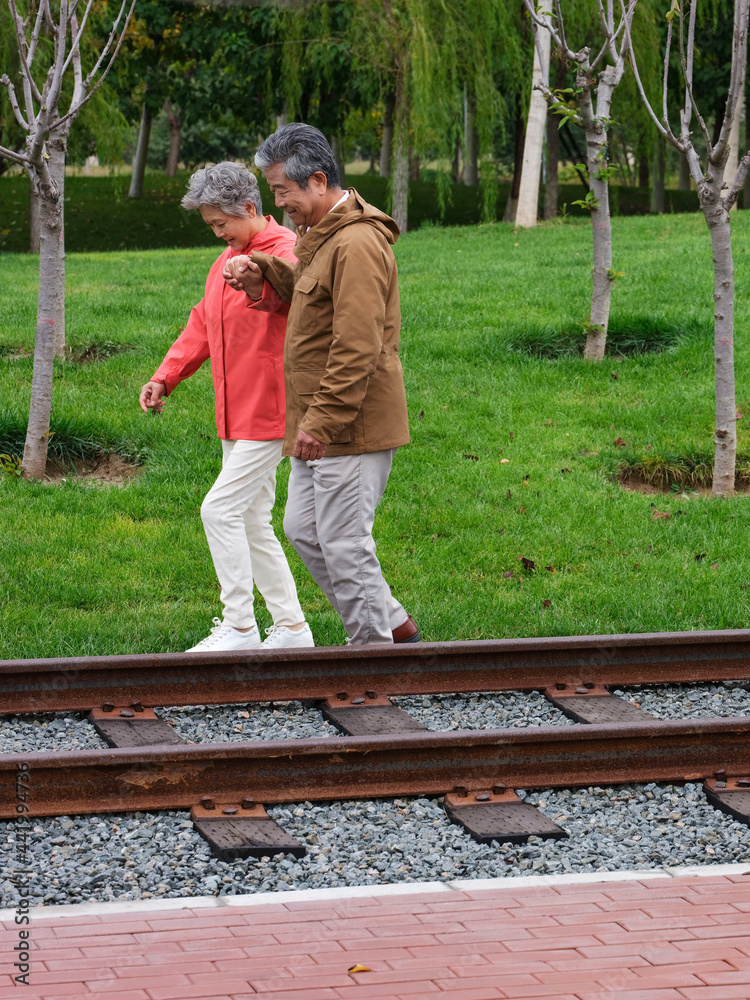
[[471, 142], [337, 145], [56, 293], [683, 177], [400, 169], [553, 155], [726, 410], [734, 139], [509, 215], [528, 195], [51, 277], [141, 152], [33, 219], [601, 220], [175, 136], [386, 146], [658, 194]]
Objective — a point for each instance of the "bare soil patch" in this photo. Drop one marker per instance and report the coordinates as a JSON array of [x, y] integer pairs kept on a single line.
[[108, 469], [636, 485]]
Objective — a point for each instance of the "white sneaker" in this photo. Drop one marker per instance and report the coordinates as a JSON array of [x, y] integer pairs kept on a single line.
[[281, 637], [225, 637]]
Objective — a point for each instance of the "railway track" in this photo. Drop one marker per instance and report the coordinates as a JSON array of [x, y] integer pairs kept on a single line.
[[388, 754]]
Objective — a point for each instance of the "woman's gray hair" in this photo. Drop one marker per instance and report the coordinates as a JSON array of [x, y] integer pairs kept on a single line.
[[225, 185], [303, 151]]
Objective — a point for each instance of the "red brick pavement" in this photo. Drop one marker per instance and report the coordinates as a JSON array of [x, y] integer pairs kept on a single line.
[[658, 938]]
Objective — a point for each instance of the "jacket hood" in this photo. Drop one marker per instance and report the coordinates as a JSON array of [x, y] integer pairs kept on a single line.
[[354, 209]]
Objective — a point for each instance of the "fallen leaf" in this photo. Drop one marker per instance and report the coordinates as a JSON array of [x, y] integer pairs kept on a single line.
[[551, 569], [521, 510], [473, 458], [650, 548], [509, 495], [546, 604], [421, 415], [700, 556], [504, 461], [615, 374], [636, 565], [714, 565], [740, 416], [660, 514], [508, 575], [564, 471], [619, 443], [547, 423], [528, 563], [512, 435], [359, 968]]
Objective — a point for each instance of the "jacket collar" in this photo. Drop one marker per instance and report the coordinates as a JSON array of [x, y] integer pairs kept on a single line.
[[347, 212]]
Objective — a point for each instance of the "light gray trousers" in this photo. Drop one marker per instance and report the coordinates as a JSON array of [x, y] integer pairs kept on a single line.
[[328, 519]]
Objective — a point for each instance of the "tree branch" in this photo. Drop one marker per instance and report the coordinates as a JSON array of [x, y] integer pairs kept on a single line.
[[739, 180], [5, 80], [22, 53], [739, 58], [11, 154], [664, 129], [110, 39], [90, 93], [687, 68], [75, 32]]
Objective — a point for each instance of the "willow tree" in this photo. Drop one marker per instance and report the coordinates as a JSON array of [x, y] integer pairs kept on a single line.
[[709, 171], [436, 62], [599, 70], [40, 114]]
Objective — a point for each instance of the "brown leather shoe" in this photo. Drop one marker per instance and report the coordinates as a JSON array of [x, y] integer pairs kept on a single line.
[[408, 632]]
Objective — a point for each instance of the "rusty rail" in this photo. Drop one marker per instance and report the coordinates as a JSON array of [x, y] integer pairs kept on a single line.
[[67, 684], [89, 781]]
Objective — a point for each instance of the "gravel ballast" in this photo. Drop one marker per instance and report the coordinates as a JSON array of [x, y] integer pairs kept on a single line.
[[152, 855]]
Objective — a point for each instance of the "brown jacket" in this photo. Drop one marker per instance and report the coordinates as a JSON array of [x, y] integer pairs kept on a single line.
[[344, 382]]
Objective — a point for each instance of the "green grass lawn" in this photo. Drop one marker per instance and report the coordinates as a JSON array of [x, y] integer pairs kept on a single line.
[[512, 455]]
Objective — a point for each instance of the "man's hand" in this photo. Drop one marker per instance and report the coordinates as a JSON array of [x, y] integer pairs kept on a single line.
[[153, 397], [308, 448], [241, 274]]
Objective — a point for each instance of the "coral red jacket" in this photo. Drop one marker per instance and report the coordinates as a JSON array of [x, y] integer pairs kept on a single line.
[[245, 342]]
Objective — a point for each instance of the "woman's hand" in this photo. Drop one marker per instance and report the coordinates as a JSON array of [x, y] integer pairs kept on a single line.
[[243, 275], [153, 397]]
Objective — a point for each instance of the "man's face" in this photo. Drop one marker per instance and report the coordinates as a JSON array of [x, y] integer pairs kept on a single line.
[[304, 206], [233, 229]]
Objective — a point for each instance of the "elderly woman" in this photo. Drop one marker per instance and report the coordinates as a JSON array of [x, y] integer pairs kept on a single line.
[[244, 338]]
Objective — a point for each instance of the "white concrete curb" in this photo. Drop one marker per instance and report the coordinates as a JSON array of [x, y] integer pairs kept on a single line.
[[511, 884]]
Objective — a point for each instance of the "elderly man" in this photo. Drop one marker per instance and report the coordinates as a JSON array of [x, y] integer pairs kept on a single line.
[[346, 404]]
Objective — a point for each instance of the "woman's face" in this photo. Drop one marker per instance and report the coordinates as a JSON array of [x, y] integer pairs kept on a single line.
[[234, 230]]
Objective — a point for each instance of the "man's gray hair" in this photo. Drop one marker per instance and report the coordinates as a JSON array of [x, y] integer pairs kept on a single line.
[[227, 186], [303, 151]]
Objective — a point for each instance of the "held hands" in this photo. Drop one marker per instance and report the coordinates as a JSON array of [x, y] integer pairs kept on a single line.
[[153, 397], [243, 275], [308, 448]]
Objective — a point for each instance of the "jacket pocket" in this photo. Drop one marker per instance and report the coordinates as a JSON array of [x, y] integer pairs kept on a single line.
[[306, 283], [306, 383]]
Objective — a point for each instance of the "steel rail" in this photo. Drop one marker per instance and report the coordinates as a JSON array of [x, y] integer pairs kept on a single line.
[[120, 780], [67, 684]]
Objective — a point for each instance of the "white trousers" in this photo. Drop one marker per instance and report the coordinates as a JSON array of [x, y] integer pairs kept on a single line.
[[328, 519], [237, 517]]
